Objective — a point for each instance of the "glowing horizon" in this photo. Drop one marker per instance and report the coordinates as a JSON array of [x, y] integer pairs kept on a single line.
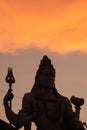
[[58, 26]]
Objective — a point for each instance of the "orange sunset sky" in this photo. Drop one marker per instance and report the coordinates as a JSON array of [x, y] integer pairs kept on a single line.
[[59, 25], [31, 28]]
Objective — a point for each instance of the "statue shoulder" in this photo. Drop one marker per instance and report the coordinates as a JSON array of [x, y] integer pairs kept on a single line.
[[27, 95], [27, 98], [64, 99]]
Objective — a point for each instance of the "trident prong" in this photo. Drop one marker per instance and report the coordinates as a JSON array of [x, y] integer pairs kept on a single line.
[[10, 78]]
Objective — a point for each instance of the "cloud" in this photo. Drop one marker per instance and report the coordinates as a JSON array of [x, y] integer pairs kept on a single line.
[[73, 38], [56, 25]]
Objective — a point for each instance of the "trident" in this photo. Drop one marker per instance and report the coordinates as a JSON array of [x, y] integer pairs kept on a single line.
[[10, 80]]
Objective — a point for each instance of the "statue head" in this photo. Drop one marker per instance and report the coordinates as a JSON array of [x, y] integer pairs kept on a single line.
[[45, 75]]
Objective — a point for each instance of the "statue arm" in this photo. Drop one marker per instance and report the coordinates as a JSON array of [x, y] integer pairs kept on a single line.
[[20, 119], [71, 117], [11, 116]]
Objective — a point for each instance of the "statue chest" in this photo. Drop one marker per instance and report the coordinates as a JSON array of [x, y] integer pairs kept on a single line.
[[51, 108]]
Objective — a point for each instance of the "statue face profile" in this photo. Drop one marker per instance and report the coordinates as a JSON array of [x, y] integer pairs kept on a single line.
[[47, 78]]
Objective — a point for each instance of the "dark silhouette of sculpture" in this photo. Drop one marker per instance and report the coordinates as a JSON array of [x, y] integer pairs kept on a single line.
[[77, 102], [85, 125], [10, 80], [44, 105], [6, 126]]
